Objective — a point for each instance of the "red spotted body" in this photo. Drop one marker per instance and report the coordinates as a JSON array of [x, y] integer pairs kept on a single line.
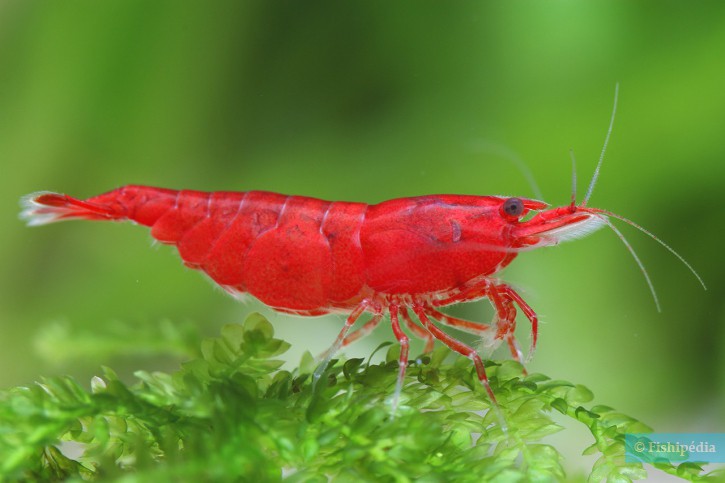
[[310, 257]]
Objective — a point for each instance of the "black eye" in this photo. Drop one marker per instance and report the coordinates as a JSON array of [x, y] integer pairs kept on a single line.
[[513, 207]]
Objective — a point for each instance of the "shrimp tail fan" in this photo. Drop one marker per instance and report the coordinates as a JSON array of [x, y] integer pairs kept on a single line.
[[45, 207]]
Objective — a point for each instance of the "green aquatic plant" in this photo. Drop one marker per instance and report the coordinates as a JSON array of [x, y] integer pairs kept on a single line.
[[231, 414]]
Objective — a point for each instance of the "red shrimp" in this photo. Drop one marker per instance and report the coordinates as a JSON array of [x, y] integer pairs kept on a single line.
[[310, 257]]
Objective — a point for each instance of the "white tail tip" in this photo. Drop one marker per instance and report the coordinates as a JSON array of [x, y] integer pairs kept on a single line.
[[34, 213]]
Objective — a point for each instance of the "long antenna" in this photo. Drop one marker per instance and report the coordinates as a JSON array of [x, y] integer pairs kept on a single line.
[[639, 262], [655, 238], [604, 148]]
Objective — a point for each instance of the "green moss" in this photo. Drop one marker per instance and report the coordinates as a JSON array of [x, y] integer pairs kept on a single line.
[[232, 414]]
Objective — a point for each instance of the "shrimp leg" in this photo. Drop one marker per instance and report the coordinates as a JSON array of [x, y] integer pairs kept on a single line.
[[417, 330], [403, 359], [329, 353], [371, 324], [503, 297], [476, 328], [528, 312], [363, 331], [457, 346], [467, 293]]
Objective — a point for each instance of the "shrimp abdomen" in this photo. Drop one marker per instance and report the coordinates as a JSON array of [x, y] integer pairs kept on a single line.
[[293, 253]]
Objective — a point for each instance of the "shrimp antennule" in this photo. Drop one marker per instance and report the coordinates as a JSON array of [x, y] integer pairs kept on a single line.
[[604, 148]]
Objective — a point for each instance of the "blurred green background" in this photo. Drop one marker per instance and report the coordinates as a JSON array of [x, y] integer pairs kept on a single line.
[[367, 101]]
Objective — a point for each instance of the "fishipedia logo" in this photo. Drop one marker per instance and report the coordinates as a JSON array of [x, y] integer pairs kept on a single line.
[[675, 448]]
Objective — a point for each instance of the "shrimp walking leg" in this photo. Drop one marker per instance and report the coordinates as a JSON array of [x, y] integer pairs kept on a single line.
[[417, 330], [470, 291], [362, 331], [403, 359], [457, 346], [329, 353], [504, 298], [371, 324], [528, 312], [476, 328]]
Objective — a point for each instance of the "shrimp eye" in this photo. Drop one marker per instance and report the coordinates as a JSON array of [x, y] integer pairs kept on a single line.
[[513, 207]]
